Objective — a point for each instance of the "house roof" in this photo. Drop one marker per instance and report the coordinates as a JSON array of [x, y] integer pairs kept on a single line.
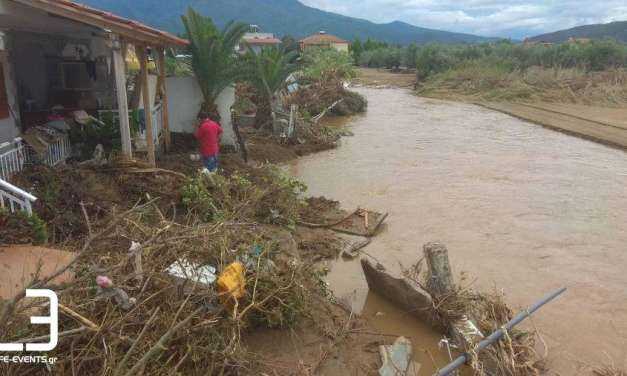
[[322, 38], [91, 16], [263, 41]]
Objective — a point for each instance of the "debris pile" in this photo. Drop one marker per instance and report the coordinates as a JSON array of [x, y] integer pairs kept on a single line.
[[459, 313], [469, 316], [317, 97], [171, 271]]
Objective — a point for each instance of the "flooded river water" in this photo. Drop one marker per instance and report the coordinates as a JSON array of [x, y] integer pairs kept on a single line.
[[521, 208]]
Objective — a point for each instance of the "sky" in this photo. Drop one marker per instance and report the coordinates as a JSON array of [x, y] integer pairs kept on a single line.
[[496, 18]]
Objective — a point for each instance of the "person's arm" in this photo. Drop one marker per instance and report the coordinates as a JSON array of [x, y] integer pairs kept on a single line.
[[198, 132]]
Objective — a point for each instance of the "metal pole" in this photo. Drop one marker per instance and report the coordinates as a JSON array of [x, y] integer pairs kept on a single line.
[[462, 359]]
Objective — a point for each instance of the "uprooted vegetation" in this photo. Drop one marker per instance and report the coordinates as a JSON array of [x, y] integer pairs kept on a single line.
[[149, 321], [322, 81], [477, 81], [584, 73], [515, 354], [263, 108]]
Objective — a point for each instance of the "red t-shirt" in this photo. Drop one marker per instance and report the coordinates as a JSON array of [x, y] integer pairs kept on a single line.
[[208, 135]]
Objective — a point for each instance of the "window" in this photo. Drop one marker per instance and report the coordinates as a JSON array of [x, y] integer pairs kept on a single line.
[[4, 98]]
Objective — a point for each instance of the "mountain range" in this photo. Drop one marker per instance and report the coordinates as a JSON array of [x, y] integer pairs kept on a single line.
[[615, 30], [282, 17]]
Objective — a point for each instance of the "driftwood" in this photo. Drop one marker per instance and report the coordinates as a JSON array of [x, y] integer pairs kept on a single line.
[[402, 291], [352, 250], [440, 277]]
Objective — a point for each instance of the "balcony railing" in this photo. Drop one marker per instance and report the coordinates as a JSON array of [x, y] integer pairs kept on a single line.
[[15, 155]]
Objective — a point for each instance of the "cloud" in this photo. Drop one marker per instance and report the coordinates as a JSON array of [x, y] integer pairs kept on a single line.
[[504, 18]]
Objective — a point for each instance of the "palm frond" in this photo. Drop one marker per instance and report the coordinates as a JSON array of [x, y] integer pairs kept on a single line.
[[213, 53]]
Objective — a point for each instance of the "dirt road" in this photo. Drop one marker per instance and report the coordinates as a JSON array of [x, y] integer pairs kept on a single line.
[[521, 208], [605, 125]]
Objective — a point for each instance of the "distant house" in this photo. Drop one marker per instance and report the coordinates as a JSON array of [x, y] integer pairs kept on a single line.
[[530, 42], [255, 40], [322, 39], [579, 40]]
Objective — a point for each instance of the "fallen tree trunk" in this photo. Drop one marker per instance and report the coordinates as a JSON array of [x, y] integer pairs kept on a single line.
[[402, 291]]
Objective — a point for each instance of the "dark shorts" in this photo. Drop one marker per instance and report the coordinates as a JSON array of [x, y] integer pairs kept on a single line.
[[210, 162]]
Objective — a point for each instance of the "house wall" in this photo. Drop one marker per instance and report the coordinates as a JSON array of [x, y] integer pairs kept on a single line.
[[34, 53], [342, 47], [8, 127], [184, 101]]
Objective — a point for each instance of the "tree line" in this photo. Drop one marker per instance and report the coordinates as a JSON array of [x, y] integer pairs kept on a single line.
[[595, 55]]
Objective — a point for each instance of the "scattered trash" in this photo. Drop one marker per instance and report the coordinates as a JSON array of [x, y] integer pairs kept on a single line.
[[187, 271], [396, 359], [352, 250], [251, 260], [466, 329], [135, 251], [232, 282], [106, 290], [104, 282]]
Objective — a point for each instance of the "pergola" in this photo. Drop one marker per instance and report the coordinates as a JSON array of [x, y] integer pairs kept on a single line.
[[121, 33]]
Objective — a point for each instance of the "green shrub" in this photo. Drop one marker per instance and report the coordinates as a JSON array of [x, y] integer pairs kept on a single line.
[[327, 64], [21, 228]]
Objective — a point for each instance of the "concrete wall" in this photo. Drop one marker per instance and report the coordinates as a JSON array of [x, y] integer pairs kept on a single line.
[[184, 101], [8, 127]]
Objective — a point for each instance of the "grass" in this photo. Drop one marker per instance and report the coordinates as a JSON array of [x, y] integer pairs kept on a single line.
[[494, 82]]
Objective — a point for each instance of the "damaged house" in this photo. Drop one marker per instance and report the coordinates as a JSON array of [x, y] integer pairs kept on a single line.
[[63, 60], [63, 63]]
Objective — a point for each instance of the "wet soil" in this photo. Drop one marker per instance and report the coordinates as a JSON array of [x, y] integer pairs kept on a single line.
[[521, 208], [605, 125], [373, 77]]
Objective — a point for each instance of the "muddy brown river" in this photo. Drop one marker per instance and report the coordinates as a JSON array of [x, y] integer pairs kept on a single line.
[[521, 208]]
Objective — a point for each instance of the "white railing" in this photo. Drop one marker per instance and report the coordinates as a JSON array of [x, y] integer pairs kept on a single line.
[[157, 126], [14, 155], [157, 123], [14, 198], [58, 151]]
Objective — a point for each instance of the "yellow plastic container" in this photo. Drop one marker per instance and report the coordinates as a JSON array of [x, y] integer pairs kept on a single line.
[[232, 282]]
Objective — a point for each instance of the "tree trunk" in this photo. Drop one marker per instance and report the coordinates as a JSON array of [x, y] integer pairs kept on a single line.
[[440, 278]]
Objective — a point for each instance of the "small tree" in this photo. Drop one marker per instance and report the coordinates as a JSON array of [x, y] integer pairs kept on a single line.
[[267, 71], [356, 49], [213, 55]]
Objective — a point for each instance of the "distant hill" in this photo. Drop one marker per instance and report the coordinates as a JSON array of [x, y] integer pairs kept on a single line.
[[282, 17], [615, 30]]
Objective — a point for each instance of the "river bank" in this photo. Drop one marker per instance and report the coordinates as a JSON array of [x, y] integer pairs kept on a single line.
[[520, 207], [571, 110]]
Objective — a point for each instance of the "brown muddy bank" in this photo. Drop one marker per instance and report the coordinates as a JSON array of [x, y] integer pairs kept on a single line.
[[520, 207]]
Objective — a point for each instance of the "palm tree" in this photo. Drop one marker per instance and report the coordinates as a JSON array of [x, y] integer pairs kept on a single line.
[[213, 55], [267, 71]]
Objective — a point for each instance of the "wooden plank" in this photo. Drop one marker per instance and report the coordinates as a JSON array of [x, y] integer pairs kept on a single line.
[[164, 99], [143, 75], [119, 67]]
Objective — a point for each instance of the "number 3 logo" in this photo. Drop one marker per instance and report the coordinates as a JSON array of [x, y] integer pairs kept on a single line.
[[52, 320]]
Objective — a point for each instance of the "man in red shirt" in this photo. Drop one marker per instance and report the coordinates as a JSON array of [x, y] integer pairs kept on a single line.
[[208, 136]]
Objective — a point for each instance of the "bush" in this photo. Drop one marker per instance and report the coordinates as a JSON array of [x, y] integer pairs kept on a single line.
[[327, 64], [21, 228]]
